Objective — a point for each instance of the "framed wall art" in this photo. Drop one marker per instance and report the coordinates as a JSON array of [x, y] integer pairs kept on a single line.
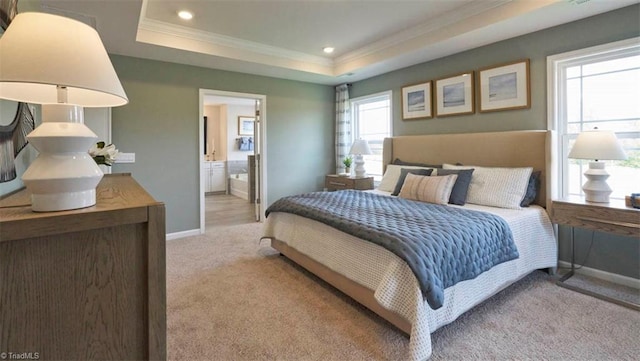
[[246, 124], [417, 101], [505, 87], [454, 95], [8, 11]]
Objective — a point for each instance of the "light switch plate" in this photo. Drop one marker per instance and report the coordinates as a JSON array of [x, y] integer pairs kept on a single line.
[[126, 158]]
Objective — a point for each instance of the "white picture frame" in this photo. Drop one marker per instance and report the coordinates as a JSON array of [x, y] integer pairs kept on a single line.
[[246, 124], [455, 95], [505, 87], [417, 101]]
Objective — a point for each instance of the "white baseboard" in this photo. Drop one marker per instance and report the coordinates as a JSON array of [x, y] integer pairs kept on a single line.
[[177, 235], [606, 276]]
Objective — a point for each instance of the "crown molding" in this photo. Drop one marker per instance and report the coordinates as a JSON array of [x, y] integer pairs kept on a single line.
[[157, 32], [420, 31], [164, 34], [167, 29], [473, 25]]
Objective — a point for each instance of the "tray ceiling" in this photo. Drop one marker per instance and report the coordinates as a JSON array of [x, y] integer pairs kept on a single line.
[[285, 39]]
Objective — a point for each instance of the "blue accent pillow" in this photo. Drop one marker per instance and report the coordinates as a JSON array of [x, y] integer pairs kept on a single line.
[[461, 187], [532, 189], [397, 161], [403, 175]]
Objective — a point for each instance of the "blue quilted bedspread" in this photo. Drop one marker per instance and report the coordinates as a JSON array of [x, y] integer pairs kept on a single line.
[[442, 245]]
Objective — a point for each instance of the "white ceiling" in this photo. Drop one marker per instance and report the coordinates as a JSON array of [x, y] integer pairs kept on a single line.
[[284, 39]]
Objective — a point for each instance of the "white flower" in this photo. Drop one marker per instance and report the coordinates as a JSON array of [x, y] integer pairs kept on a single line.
[[103, 154]]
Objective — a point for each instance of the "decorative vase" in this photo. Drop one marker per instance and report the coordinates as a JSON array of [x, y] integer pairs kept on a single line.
[[347, 170]]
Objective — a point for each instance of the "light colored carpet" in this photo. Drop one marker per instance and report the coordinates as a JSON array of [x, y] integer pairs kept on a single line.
[[624, 293], [231, 298]]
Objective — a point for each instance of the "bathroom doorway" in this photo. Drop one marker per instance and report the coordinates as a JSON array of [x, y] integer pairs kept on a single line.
[[232, 157]]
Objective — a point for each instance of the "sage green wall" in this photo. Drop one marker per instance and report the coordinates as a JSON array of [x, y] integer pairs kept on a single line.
[[160, 124], [609, 253], [616, 25]]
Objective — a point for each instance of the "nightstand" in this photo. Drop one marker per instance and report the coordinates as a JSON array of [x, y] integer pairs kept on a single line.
[[613, 217], [334, 182]]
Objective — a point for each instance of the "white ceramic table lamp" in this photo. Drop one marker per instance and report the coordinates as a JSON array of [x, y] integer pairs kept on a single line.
[[597, 145], [59, 63], [359, 148]]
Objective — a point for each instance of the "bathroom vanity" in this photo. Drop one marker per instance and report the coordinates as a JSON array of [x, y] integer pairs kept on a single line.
[[215, 177]]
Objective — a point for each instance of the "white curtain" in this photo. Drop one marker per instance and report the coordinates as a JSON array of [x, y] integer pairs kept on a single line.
[[343, 126]]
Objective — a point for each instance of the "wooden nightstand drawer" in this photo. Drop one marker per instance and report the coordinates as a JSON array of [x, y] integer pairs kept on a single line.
[[334, 182], [613, 217], [604, 217]]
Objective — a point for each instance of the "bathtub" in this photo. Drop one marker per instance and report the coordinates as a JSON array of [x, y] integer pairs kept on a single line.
[[239, 185]]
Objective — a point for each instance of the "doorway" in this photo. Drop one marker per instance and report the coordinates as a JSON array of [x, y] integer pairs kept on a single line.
[[232, 141]]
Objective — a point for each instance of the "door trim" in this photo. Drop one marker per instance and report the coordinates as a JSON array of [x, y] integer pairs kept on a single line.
[[262, 145]]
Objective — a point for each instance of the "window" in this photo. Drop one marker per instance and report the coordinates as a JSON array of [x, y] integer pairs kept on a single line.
[[597, 87], [372, 122]]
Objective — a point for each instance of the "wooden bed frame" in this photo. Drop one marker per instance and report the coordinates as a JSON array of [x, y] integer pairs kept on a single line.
[[496, 149]]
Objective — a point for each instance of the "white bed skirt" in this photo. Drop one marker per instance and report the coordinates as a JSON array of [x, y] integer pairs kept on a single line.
[[395, 286]]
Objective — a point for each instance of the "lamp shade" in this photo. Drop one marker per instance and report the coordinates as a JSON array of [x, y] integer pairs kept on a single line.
[[360, 147], [597, 144], [39, 53], [59, 63]]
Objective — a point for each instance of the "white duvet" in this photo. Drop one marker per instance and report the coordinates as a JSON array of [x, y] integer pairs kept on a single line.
[[394, 285]]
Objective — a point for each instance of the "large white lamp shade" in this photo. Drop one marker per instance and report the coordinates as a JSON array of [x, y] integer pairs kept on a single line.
[[597, 145], [59, 63], [359, 148]]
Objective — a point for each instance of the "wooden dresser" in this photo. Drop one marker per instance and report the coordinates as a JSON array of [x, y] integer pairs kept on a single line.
[[84, 284]]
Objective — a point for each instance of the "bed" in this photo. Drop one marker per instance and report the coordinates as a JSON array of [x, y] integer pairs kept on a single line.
[[382, 281]]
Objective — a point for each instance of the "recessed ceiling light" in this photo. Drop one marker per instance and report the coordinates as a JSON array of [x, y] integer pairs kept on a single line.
[[186, 15], [328, 49]]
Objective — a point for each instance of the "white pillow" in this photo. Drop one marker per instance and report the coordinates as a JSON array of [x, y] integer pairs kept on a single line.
[[391, 175], [495, 186], [428, 189]]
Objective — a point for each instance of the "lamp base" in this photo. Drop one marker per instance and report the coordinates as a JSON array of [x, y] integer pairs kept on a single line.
[[61, 181], [63, 176], [63, 201], [596, 189], [359, 162]]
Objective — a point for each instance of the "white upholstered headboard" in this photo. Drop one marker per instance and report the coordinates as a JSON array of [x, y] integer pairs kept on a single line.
[[529, 148]]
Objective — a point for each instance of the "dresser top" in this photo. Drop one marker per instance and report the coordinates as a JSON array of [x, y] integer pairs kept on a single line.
[[115, 193]]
